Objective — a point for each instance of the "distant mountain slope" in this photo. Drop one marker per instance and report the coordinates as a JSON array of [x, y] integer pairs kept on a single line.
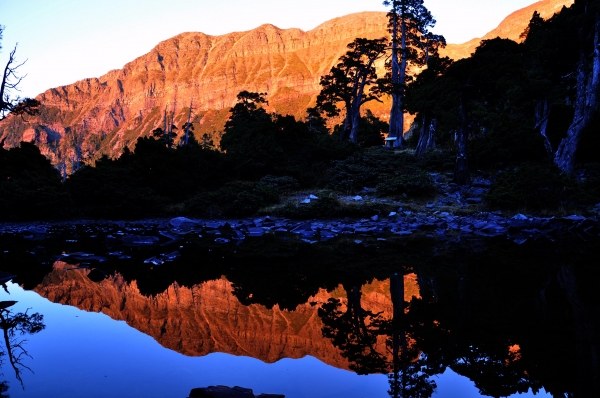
[[103, 115], [511, 27]]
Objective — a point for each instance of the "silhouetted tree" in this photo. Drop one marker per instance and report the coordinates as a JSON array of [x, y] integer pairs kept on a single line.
[[412, 44], [14, 326], [10, 104], [419, 100], [350, 82]]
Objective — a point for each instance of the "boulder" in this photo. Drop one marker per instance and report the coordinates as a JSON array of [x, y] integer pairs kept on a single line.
[[183, 222]]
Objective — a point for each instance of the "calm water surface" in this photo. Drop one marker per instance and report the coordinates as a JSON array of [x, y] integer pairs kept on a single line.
[[479, 318]]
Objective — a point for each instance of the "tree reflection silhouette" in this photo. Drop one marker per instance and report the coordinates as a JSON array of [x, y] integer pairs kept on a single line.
[[14, 326], [355, 331]]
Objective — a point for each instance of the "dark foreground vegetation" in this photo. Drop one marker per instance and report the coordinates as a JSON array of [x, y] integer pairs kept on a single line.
[[523, 116]]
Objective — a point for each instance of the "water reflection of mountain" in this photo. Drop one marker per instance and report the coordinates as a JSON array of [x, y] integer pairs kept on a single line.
[[208, 318]]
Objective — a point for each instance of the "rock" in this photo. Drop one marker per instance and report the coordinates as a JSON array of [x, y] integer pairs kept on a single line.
[[357, 198], [520, 217], [171, 256], [183, 222], [212, 225], [392, 214], [574, 218], [221, 392], [156, 260], [305, 201], [430, 205], [375, 218], [326, 235], [254, 231], [311, 196], [222, 240], [307, 226]]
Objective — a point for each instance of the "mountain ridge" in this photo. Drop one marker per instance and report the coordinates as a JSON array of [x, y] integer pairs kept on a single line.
[[96, 116]]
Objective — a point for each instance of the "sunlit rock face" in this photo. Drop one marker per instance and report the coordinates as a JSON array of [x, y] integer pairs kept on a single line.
[[208, 318], [103, 115]]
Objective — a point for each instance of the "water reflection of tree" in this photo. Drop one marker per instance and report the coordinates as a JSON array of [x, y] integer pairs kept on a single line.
[[14, 327], [356, 331]]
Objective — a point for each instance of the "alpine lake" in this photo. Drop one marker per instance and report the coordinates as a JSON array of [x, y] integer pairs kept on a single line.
[[404, 307]]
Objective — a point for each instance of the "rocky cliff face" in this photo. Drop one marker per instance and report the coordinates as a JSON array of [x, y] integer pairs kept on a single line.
[[103, 115], [208, 318]]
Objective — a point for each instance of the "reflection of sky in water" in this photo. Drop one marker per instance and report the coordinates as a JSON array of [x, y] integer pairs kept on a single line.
[[89, 354]]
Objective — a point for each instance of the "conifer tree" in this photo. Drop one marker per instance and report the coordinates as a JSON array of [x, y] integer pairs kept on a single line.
[[412, 44], [353, 82]]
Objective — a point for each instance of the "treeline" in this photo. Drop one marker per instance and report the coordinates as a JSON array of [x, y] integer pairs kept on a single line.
[[262, 156]]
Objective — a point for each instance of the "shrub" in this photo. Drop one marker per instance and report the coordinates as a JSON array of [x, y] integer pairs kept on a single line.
[[410, 181], [235, 199], [282, 184], [532, 186], [326, 206], [361, 170]]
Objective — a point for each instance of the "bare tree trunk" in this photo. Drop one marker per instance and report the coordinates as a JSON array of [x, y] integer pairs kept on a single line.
[[586, 103], [355, 118], [398, 76], [542, 116], [427, 138], [461, 168]]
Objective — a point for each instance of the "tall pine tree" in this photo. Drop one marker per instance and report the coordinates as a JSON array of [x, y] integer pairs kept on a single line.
[[412, 44]]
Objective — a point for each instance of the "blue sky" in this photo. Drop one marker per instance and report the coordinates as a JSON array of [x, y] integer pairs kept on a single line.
[[68, 40]]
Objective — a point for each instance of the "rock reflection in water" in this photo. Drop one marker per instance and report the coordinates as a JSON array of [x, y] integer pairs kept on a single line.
[[208, 318]]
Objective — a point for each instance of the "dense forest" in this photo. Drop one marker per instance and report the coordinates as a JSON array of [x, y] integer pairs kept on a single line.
[[523, 115]]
